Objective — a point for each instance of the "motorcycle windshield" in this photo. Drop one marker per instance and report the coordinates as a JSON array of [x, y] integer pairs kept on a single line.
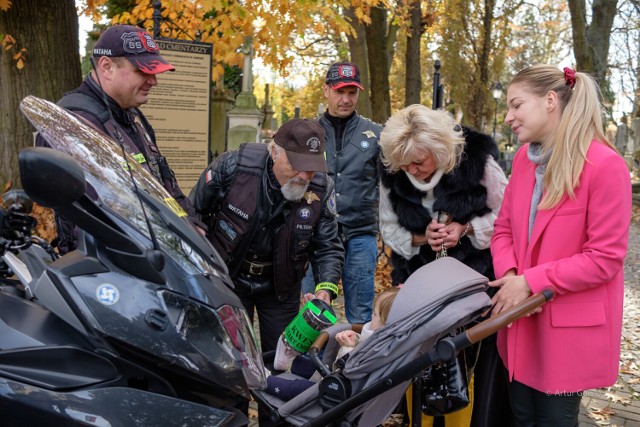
[[112, 173]]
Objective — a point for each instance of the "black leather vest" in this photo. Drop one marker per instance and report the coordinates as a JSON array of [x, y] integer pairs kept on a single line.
[[242, 215]]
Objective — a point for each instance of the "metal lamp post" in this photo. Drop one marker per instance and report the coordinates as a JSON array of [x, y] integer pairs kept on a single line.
[[496, 92]]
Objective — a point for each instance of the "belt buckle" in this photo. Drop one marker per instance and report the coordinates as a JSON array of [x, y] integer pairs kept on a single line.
[[256, 269]]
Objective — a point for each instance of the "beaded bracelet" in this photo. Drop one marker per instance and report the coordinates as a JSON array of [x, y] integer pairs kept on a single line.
[[466, 231]]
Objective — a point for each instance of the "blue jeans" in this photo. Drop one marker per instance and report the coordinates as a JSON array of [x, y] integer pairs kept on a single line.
[[358, 276]]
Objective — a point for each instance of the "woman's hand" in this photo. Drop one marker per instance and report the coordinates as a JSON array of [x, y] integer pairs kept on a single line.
[[513, 290], [438, 233]]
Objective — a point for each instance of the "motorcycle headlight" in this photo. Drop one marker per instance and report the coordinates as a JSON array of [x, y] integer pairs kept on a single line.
[[223, 337]]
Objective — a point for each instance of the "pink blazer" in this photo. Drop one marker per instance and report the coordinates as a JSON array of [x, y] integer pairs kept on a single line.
[[578, 248]]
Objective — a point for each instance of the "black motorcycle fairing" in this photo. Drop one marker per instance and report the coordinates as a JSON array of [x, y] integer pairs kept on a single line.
[[186, 271], [56, 368], [127, 253], [26, 324], [114, 407], [192, 335]]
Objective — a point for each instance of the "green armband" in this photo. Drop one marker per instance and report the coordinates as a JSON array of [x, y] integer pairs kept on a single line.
[[329, 287]]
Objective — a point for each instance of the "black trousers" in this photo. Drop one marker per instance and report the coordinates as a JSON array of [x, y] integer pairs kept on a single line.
[[273, 315], [533, 408], [491, 395]]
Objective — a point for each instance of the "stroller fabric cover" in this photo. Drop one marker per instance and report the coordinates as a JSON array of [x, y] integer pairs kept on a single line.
[[435, 300]]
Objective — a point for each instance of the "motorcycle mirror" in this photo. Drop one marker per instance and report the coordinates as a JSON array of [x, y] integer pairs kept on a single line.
[[51, 178]]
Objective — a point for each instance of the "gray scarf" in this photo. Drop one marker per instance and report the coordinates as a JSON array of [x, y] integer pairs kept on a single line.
[[541, 159]]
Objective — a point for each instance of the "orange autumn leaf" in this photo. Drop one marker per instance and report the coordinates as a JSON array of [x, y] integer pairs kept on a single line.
[[5, 5]]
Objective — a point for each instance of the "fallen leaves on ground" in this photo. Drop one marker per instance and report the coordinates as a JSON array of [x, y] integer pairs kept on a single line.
[[601, 416]]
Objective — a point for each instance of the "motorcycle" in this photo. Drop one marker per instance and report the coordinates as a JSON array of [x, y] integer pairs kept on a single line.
[[139, 325]]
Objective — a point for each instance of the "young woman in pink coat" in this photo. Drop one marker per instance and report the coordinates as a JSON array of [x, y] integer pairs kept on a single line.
[[564, 224]]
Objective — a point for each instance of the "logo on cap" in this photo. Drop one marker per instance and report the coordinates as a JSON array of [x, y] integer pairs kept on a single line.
[[346, 71], [343, 74], [314, 144], [138, 42]]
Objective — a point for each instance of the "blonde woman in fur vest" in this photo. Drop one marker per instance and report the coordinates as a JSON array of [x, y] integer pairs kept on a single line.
[[440, 193]]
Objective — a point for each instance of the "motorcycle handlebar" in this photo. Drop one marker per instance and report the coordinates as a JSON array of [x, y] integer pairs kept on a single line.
[[15, 229]]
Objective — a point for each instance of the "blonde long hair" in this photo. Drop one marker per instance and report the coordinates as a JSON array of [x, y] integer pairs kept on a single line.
[[580, 123], [417, 129]]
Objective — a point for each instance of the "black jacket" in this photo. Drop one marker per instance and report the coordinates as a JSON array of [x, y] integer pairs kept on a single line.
[[459, 193], [250, 215], [354, 169]]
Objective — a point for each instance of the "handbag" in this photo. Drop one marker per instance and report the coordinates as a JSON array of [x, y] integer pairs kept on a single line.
[[445, 386]]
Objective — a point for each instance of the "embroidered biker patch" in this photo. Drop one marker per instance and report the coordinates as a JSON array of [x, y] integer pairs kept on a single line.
[[304, 214], [331, 203], [228, 230]]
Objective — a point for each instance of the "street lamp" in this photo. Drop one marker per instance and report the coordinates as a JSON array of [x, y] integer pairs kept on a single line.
[[496, 92]]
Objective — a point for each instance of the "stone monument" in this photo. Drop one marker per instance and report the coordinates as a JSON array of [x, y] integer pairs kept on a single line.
[[245, 119], [221, 103]]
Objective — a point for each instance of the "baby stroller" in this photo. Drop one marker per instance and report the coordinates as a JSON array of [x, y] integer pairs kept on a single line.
[[438, 298]]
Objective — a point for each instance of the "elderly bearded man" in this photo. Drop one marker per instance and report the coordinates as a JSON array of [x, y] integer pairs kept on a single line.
[[268, 207]]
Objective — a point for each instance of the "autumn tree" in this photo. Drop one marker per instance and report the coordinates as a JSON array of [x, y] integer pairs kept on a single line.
[[541, 34], [624, 57], [39, 57], [358, 55], [278, 27], [283, 31], [377, 45], [474, 35], [591, 39], [413, 74]]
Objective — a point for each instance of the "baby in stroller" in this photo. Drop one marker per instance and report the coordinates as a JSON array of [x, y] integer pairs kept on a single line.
[[287, 359]]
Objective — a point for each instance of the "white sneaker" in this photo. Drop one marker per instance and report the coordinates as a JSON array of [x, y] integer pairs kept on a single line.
[[284, 356]]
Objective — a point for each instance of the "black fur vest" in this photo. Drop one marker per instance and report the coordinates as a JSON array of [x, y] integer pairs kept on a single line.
[[459, 193]]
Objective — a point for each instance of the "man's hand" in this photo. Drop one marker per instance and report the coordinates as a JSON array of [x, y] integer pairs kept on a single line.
[[321, 294]]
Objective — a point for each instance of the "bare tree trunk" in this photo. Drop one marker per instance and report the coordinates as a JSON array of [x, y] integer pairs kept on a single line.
[[591, 41], [480, 105], [49, 33], [376, 35], [413, 77], [358, 51]]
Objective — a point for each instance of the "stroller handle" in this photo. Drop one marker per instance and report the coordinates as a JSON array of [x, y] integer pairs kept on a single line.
[[493, 324]]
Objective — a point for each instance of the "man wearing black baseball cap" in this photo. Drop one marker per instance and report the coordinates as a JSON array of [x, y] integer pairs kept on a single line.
[[268, 207], [136, 45], [352, 159], [125, 62]]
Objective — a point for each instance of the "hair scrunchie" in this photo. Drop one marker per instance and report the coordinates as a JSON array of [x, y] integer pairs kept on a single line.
[[569, 77]]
